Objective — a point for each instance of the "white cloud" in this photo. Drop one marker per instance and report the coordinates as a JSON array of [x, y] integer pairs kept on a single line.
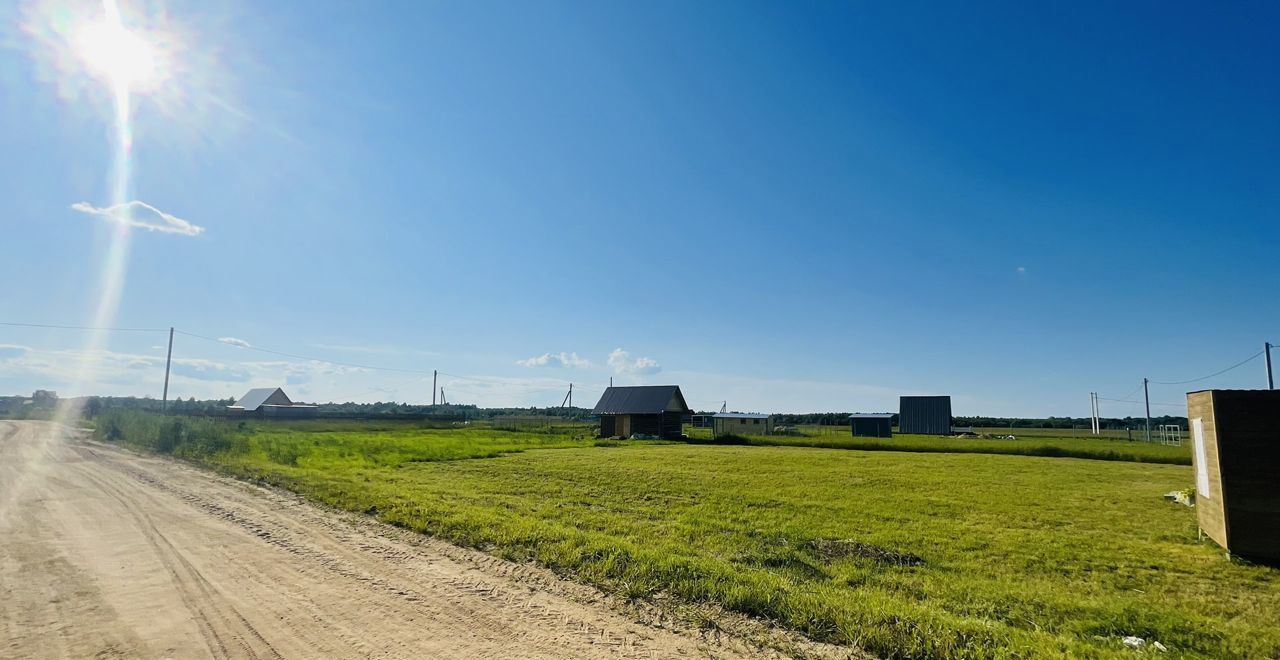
[[142, 216], [11, 351], [622, 363], [234, 342], [561, 359], [1022, 270], [117, 373]]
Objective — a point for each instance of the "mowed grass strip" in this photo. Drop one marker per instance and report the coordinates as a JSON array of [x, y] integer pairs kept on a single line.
[[1092, 448], [926, 555]]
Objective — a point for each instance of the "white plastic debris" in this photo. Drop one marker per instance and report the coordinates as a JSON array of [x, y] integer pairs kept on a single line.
[[1181, 497], [1159, 647], [1134, 642]]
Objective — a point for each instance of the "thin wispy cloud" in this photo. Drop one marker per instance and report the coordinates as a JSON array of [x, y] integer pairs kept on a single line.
[[560, 359], [119, 373], [1022, 270], [234, 342], [141, 215], [622, 363], [8, 351]]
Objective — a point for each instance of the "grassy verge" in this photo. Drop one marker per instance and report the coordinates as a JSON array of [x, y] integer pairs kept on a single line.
[[932, 555]]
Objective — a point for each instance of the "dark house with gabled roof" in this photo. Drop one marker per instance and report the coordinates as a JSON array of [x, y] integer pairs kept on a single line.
[[657, 410]]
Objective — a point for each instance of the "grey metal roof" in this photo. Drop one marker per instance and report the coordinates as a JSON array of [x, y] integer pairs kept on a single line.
[[872, 415], [639, 400], [741, 415], [254, 398]]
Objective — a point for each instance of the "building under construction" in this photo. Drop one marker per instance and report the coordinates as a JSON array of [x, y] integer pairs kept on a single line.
[[649, 410]]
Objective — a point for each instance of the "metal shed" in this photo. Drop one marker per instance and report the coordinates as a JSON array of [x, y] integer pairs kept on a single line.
[[657, 410], [269, 402], [871, 425], [741, 424], [924, 415], [1235, 437]]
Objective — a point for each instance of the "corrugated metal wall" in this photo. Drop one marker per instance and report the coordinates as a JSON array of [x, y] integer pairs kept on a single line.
[[924, 415], [871, 427]]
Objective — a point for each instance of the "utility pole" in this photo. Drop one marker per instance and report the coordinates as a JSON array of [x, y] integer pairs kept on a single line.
[[1266, 348], [434, 374], [443, 401], [1093, 413], [164, 398], [1146, 395], [570, 396]]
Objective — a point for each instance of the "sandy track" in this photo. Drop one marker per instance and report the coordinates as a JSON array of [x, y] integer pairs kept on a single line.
[[105, 554]]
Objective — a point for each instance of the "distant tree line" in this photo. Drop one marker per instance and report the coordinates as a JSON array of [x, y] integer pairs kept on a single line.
[[831, 419], [92, 406], [1068, 422], [39, 407]]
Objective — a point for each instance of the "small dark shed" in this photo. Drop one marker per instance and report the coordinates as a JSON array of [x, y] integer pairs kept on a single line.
[[1235, 438], [924, 415], [657, 410], [871, 425]]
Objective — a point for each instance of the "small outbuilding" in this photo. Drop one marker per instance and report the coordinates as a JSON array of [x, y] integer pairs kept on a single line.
[[741, 424], [871, 425], [1235, 437], [656, 410], [924, 415], [269, 402]]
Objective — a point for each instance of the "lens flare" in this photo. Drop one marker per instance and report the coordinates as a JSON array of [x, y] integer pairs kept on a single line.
[[128, 62], [110, 50]]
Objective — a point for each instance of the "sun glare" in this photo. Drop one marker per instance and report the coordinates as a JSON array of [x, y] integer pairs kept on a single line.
[[110, 50]]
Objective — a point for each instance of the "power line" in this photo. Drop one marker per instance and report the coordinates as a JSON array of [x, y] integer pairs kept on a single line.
[[1125, 397], [384, 390], [1216, 373], [1176, 405], [80, 327], [305, 357]]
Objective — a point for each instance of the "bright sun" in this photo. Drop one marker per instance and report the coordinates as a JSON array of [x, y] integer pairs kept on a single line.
[[111, 51]]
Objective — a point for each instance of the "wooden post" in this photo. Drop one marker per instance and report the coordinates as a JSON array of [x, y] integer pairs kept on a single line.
[[1266, 348], [164, 398], [1146, 395]]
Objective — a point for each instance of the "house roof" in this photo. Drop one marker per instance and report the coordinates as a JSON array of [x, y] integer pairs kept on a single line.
[[872, 415], [740, 416], [254, 398], [640, 400]]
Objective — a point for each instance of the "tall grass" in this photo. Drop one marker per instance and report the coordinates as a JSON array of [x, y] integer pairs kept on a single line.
[[186, 437]]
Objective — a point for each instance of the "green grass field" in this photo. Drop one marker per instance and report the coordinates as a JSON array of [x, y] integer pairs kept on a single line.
[[1095, 448], [906, 554]]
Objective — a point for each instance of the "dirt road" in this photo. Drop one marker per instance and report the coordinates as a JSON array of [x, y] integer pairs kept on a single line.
[[107, 554]]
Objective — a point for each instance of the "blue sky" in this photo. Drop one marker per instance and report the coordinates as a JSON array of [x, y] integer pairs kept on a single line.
[[789, 207]]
